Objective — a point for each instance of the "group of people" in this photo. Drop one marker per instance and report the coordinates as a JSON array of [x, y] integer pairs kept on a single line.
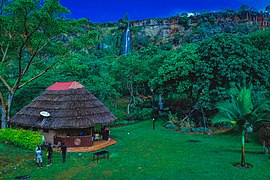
[[104, 134], [49, 154]]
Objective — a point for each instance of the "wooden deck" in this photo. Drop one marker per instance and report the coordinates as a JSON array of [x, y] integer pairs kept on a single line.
[[97, 145]]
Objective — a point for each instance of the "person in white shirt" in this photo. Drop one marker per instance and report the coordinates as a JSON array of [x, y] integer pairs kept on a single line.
[[39, 157]]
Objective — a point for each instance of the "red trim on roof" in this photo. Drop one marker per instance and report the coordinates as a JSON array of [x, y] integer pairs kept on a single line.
[[65, 86]]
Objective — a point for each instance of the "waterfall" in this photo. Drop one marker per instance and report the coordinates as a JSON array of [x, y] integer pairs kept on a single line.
[[127, 41]]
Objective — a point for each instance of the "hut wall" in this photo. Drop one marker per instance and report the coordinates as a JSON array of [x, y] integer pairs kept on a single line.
[[75, 141], [48, 134], [71, 137]]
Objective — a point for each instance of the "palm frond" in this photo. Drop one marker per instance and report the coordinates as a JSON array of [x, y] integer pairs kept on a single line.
[[244, 101], [220, 119], [228, 109], [262, 105]]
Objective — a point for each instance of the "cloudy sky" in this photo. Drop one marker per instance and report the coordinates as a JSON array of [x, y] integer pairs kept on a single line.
[[112, 10]]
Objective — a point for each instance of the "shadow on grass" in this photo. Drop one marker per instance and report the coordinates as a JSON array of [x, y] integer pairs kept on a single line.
[[246, 152]]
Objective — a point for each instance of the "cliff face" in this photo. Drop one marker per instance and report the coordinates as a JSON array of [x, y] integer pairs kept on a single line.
[[183, 28]]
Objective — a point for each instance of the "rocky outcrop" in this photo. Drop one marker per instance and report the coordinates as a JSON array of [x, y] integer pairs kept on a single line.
[[196, 27]]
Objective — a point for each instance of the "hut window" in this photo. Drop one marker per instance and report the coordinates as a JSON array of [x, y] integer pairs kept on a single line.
[[46, 130]]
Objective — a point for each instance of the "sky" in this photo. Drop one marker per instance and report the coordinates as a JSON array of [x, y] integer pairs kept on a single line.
[[112, 10]]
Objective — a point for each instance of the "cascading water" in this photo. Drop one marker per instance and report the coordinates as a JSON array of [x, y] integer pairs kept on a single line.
[[126, 48]]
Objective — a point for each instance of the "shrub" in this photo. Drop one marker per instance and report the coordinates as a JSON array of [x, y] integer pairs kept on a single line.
[[186, 130], [120, 123], [200, 130], [170, 125], [22, 138], [146, 113]]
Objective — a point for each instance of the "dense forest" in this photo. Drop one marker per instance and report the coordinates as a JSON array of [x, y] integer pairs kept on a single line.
[[172, 63]]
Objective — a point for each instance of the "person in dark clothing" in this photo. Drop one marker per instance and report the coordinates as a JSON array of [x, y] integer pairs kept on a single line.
[[64, 152], [107, 133], [49, 153]]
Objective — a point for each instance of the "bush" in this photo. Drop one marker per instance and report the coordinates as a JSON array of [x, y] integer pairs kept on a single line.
[[170, 125], [123, 123], [22, 138], [146, 113], [200, 130], [120, 123], [186, 130]]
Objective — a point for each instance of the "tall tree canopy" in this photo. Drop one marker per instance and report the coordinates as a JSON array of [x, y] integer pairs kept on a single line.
[[227, 60]]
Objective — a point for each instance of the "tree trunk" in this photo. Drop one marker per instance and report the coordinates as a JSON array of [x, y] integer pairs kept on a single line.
[[243, 160], [4, 117], [246, 137], [128, 108], [10, 100], [5, 111]]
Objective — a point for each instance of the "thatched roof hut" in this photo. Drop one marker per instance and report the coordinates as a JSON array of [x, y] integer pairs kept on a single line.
[[69, 106]]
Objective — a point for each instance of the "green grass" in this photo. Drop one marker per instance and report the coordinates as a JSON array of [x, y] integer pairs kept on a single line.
[[145, 153]]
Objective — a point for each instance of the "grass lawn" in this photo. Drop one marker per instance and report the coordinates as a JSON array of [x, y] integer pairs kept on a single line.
[[149, 154]]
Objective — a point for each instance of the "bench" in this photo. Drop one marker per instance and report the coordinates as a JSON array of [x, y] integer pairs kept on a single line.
[[100, 153]]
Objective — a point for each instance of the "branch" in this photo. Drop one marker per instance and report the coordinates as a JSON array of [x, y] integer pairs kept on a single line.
[[5, 83], [37, 76], [29, 62], [35, 28], [33, 56], [24, 24], [5, 52], [22, 48]]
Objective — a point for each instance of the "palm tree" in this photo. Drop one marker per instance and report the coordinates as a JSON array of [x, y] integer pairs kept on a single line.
[[245, 110]]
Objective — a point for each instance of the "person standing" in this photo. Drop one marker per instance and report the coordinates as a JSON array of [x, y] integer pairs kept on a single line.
[[49, 154], [107, 132], [64, 152], [39, 157]]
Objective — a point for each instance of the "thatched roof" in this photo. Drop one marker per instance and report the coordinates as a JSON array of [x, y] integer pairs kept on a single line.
[[69, 104]]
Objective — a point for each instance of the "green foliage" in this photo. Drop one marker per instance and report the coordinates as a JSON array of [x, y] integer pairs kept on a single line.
[[200, 130], [118, 108], [138, 113], [34, 36], [170, 125], [22, 138], [225, 61], [89, 53], [186, 130], [241, 110], [177, 72], [261, 39], [123, 122], [244, 108], [146, 113], [172, 117]]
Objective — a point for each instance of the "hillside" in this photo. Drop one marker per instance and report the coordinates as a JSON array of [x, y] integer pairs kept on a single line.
[[184, 28]]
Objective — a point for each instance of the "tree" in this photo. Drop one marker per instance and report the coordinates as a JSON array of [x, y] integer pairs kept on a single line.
[[94, 73], [244, 10], [261, 39], [31, 33], [227, 60], [129, 71], [177, 73], [267, 9], [246, 110]]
